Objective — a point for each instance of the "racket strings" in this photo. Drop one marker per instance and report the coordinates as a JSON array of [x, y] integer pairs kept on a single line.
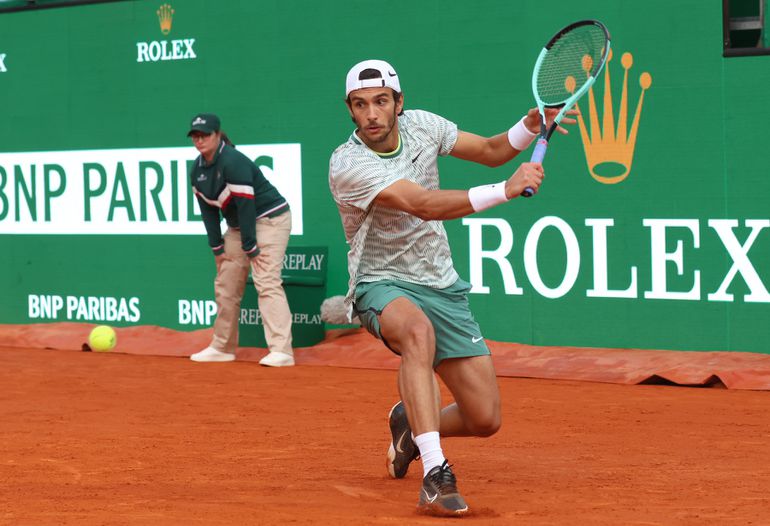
[[569, 63]]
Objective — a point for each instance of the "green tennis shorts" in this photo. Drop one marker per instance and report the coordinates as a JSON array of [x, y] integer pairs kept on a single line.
[[457, 333]]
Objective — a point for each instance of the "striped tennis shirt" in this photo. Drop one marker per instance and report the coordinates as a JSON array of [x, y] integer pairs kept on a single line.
[[386, 243]]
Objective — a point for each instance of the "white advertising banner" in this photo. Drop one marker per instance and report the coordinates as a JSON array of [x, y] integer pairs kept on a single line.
[[123, 191]]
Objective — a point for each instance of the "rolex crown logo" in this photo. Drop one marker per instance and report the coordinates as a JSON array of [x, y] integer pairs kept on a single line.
[[610, 150], [165, 16]]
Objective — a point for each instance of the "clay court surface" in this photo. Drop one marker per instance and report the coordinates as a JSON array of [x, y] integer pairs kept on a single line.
[[111, 438]]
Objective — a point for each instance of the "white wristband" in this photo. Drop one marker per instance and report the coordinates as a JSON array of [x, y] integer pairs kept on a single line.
[[487, 196], [520, 137]]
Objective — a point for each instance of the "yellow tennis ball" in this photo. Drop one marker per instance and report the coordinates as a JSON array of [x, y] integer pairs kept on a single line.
[[102, 338]]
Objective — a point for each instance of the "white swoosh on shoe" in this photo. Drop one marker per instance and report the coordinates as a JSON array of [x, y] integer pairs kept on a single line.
[[400, 441], [428, 497]]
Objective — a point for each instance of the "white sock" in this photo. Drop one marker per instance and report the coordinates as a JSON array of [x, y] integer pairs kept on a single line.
[[430, 451]]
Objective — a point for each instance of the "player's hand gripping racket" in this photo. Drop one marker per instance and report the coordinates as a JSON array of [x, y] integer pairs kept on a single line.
[[565, 70]]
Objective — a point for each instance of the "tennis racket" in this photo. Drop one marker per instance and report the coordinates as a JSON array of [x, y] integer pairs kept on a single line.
[[565, 70]]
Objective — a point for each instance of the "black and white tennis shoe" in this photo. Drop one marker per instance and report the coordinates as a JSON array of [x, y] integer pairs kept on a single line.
[[402, 450]]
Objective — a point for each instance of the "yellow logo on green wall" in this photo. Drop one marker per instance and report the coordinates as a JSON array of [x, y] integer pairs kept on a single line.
[[165, 17], [610, 149], [161, 50]]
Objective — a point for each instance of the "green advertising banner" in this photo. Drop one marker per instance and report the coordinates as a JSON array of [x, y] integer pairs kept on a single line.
[[652, 228]]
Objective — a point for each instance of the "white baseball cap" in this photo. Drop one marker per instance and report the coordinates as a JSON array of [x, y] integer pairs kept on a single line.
[[387, 77]]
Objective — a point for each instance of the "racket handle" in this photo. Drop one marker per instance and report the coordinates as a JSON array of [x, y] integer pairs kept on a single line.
[[539, 153], [537, 157]]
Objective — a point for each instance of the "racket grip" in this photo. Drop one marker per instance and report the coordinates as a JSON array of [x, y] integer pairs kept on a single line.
[[537, 157], [539, 153]]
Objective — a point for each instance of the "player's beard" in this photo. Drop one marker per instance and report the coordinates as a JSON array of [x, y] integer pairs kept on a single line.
[[386, 131]]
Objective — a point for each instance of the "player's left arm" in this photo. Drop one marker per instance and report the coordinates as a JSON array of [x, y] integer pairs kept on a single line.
[[440, 205], [499, 149]]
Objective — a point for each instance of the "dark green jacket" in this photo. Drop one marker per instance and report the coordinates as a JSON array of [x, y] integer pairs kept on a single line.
[[233, 184]]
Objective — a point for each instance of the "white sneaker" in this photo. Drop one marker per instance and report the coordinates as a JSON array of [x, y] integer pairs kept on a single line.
[[277, 359], [212, 355]]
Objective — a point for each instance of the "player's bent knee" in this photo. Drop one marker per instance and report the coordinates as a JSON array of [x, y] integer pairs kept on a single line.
[[485, 425], [487, 429], [416, 339], [418, 353]]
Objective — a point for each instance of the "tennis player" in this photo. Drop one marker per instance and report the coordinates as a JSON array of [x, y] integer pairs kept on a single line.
[[403, 285]]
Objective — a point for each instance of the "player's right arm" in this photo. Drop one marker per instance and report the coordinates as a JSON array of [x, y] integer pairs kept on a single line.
[[433, 205], [498, 150]]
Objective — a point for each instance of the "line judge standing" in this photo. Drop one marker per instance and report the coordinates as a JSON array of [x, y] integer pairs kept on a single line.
[[258, 227]]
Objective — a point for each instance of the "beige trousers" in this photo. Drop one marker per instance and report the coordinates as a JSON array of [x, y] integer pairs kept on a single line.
[[272, 239]]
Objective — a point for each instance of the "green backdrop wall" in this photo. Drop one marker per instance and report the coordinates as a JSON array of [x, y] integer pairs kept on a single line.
[[664, 244]]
